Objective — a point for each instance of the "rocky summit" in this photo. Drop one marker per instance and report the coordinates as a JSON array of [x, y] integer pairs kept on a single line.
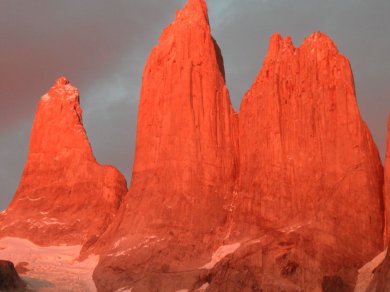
[[63, 188], [288, 194]]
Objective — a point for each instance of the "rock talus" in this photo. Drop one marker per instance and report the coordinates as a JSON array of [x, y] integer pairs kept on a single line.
[[186, 162], [62, 186]]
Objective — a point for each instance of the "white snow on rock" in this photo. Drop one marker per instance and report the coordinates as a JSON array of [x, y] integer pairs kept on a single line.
[[145, 243], [203, 287], [124, 289], [31, 199], [53, 268], [200, 289], [294, 227], [46, 97], [366, 272], [220, 253]]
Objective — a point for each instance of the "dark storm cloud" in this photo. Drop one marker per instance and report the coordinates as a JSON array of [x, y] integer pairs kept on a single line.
[[102, 46]]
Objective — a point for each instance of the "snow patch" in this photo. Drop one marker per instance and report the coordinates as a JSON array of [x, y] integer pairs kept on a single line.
[[203, 287], [53, 268], [44, 221], [366, 272], [46, 97], [294, 227], [146, 243], [118, 242], [124, 289], [220, 253], [31, 199], [51, 221]]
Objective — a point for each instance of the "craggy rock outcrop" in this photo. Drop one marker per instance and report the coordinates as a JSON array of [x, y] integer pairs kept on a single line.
[[185, 165], [9, 278], [63, 188]]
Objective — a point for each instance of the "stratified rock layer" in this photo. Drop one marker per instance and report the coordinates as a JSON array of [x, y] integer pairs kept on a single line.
[[64, 196], [185, 165]]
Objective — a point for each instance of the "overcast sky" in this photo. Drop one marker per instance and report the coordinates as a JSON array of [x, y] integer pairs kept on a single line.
[[102, 46]]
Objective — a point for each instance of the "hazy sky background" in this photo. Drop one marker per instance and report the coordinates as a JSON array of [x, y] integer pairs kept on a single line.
[[102, 46]]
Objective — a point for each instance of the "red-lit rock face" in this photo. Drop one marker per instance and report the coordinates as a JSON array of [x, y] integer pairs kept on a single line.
[[186, 157], [296, 180], [185, 160], [62, 188], [306, 156], [287, 195]]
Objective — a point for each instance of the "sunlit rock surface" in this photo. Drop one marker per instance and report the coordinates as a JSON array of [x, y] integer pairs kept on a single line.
[[64, 195]]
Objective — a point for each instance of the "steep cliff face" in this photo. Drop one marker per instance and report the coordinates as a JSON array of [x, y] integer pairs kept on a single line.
[[186, 159], [62, 186], [306, 155], [185, 151]]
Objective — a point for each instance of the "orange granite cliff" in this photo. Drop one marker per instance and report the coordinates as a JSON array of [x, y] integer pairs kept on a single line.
[[186, 160], [294, 179], [62, 186]]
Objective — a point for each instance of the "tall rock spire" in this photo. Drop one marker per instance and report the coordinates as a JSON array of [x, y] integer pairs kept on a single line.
[[186, 157], [186, 132], [62, 186], [306, 155]]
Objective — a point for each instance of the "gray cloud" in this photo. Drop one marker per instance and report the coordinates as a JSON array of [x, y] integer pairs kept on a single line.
[[102, 46]]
